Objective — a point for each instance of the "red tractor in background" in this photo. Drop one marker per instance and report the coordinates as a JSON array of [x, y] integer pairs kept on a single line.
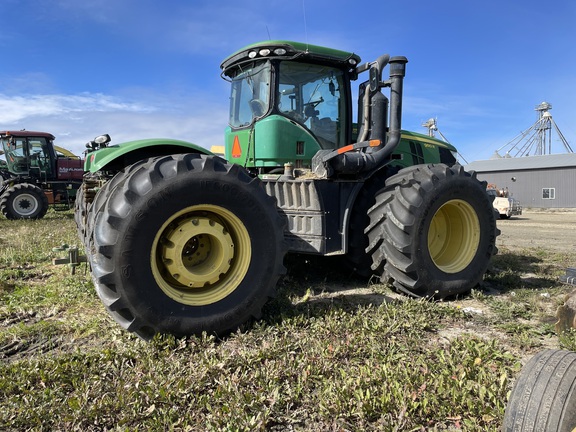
[[36, 174]]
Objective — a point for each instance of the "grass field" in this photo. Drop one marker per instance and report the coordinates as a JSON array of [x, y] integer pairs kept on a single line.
[[331, 353]]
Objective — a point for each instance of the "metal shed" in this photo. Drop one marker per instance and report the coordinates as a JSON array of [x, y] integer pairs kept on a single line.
[[546, 181]]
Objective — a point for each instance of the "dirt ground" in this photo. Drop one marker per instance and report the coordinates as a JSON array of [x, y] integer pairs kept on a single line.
[[549, 230], [553, 230], [546, 230]]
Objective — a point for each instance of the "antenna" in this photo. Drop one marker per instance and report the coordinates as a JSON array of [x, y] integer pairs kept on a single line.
[[305, 24], [268, 31]]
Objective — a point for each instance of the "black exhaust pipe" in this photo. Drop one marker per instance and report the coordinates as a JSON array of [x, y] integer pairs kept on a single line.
[[354, 162]]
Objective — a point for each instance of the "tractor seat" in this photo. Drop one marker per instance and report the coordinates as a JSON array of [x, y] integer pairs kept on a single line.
[[325, 130]]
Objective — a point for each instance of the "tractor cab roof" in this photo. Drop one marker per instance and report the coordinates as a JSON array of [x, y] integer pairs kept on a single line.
[[26, 133], [288, 50]]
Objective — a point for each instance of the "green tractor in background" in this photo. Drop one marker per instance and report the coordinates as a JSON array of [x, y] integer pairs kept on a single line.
[[182, 241]]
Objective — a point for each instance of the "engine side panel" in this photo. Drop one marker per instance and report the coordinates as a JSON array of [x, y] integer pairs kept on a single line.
[[316, 212]]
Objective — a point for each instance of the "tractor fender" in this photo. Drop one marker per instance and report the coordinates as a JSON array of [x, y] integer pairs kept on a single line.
[[118, 156]]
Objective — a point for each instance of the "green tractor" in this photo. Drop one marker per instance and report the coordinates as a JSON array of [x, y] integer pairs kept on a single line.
[[181, 241]]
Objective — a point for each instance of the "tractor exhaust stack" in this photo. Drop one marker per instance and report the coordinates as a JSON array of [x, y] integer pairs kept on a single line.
[[373, 138]]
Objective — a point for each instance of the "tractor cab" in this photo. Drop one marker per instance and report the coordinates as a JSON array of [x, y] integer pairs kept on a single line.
[[33, 155], [293, 98], [29, 154]]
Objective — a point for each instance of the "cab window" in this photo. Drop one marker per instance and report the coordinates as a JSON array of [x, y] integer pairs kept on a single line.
[[39, 155], [250, 95], [311, 95], [15, 149]]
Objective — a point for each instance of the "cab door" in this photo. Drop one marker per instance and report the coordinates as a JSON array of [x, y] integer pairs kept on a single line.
[[40, 158], [16, 149]]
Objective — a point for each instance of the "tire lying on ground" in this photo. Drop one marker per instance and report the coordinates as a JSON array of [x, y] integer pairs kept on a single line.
[[544, 396], [184, 244], [432, 231], [24, 201]]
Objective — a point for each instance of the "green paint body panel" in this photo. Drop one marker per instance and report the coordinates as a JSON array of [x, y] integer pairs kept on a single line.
[[99, 159], [279, 141], [416, 148], [246, 143]]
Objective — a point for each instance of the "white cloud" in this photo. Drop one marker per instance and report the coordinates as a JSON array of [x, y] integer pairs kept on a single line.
[[17, 108], [76, 119]]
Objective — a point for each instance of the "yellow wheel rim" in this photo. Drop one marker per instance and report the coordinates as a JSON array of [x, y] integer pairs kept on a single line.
[[454, 236], [201, 255]]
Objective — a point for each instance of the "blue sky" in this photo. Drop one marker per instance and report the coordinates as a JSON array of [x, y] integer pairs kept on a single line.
[[150, 68]]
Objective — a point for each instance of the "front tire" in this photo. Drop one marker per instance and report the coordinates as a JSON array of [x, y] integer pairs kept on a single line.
[[186, 244], [432, 231], [94, 196], [24, 201], [544, 396]]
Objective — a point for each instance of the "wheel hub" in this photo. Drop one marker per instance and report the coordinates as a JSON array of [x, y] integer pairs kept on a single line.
[[25, 204], [198, 252], [454, 236], [201, 254]]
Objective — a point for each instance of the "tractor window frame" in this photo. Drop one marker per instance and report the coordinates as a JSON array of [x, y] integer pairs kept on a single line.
[[250, 94], [40, 157], [315, 96], [16, 154]]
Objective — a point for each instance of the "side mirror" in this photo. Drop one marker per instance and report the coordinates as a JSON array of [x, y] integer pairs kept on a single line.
[[376, 71]]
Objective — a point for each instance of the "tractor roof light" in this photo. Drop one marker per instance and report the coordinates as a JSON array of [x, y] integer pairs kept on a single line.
[[265, 52]]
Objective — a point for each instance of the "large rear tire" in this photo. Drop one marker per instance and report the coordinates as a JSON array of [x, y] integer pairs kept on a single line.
[[432, 231], [24, 201], [185, 244], [544, 396]]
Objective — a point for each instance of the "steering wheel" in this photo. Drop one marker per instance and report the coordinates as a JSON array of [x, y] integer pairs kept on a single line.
[[310, 108]]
